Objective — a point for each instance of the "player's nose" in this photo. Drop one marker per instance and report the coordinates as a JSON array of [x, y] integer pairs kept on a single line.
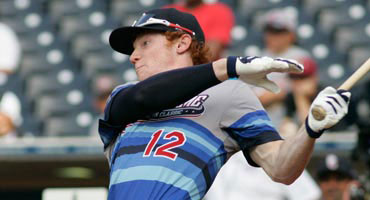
[[134, 57]]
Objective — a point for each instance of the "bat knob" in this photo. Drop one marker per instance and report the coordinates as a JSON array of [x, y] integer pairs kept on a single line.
[[318, 113]]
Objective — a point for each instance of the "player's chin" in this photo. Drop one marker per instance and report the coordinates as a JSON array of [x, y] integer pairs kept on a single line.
[[141, 75], [144, 73]]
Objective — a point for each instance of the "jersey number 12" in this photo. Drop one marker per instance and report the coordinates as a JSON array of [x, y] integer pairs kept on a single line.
[[165, 149]]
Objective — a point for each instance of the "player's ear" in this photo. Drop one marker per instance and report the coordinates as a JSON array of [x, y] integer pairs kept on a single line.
[[183, 43]]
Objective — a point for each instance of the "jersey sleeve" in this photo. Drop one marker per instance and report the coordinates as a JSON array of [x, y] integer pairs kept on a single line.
[[223, 23], [246, 121], [107, 131]]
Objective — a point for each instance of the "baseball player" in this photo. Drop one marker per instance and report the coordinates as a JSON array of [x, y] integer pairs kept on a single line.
[[168, 135]]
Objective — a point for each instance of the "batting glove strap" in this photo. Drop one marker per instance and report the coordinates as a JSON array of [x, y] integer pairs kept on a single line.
[[231, 67], [312, 133]]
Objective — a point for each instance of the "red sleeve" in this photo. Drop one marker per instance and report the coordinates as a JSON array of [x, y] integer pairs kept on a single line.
[[216, 20], [223, 23], [178, 6]]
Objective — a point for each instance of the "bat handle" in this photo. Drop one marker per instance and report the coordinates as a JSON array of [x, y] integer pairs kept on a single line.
[[318, 112]]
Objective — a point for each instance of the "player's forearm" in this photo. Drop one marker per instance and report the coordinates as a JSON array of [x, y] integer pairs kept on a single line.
[[293, 156], [285, 160]]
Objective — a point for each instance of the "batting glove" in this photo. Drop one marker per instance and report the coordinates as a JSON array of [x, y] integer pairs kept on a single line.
[[335, 103], [253, 70]]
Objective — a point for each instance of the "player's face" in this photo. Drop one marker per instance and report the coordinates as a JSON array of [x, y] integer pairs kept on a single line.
[[152, 54], [333, 189], [278, 42]]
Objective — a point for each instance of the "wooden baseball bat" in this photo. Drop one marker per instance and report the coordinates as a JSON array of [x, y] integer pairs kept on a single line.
[[319, 113]]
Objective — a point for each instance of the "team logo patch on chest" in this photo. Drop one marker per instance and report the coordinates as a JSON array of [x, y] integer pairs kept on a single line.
[[192, 108]]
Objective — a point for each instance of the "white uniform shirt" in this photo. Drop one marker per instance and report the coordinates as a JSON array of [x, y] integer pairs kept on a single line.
[[239, 181], [10, 49]]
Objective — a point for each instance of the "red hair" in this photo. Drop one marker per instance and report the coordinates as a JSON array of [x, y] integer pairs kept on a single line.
[[200, 53]]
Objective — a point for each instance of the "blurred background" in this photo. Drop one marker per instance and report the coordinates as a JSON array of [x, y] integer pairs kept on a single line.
[[57, 69]]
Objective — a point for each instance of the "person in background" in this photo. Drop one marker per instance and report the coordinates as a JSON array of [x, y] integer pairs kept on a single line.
[[216, 20], [10, 50], [10, 105], [279, 34], [102, 88], [290, 107], [7, 128], [239, 181], [304, 88], [338, 179]]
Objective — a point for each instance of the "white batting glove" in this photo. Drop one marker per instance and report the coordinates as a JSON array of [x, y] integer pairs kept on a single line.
[[254, 70], [335, 103]]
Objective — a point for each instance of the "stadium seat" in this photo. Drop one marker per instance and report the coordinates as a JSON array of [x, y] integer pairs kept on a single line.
[[10, 82], [123, 9], [45, 60], [333, 70], [94, 40], [31, 22], [231, 3], [107, 61], [42, 39], [346, 14], [251, 44], [361, 102], [307, 33], [306, 27], [353, 35], [59, 9], [12, 8], [357, 56], [312, 7], [53, 82], [74, 124], [70, 26], [31, 126], [41, 85], [241, 29], [252, 7], [318, 44], [62, 103]]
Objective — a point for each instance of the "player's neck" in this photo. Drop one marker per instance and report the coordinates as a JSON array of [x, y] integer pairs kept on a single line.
[[183, 60]]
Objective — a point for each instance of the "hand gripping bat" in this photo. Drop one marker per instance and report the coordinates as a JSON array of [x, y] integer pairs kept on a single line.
[[319, 113]]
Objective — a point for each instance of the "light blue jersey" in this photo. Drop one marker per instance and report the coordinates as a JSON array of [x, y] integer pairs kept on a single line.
[[177, 153]]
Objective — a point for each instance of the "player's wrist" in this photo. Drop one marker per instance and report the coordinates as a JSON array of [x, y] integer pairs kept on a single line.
[[231, 67], [310, 131], [220, 69]]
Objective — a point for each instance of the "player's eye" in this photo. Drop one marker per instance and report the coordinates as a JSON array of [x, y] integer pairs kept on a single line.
[[146, 43]]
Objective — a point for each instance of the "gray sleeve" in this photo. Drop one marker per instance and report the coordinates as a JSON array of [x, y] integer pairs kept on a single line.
[[242, 101], [246, 121]]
